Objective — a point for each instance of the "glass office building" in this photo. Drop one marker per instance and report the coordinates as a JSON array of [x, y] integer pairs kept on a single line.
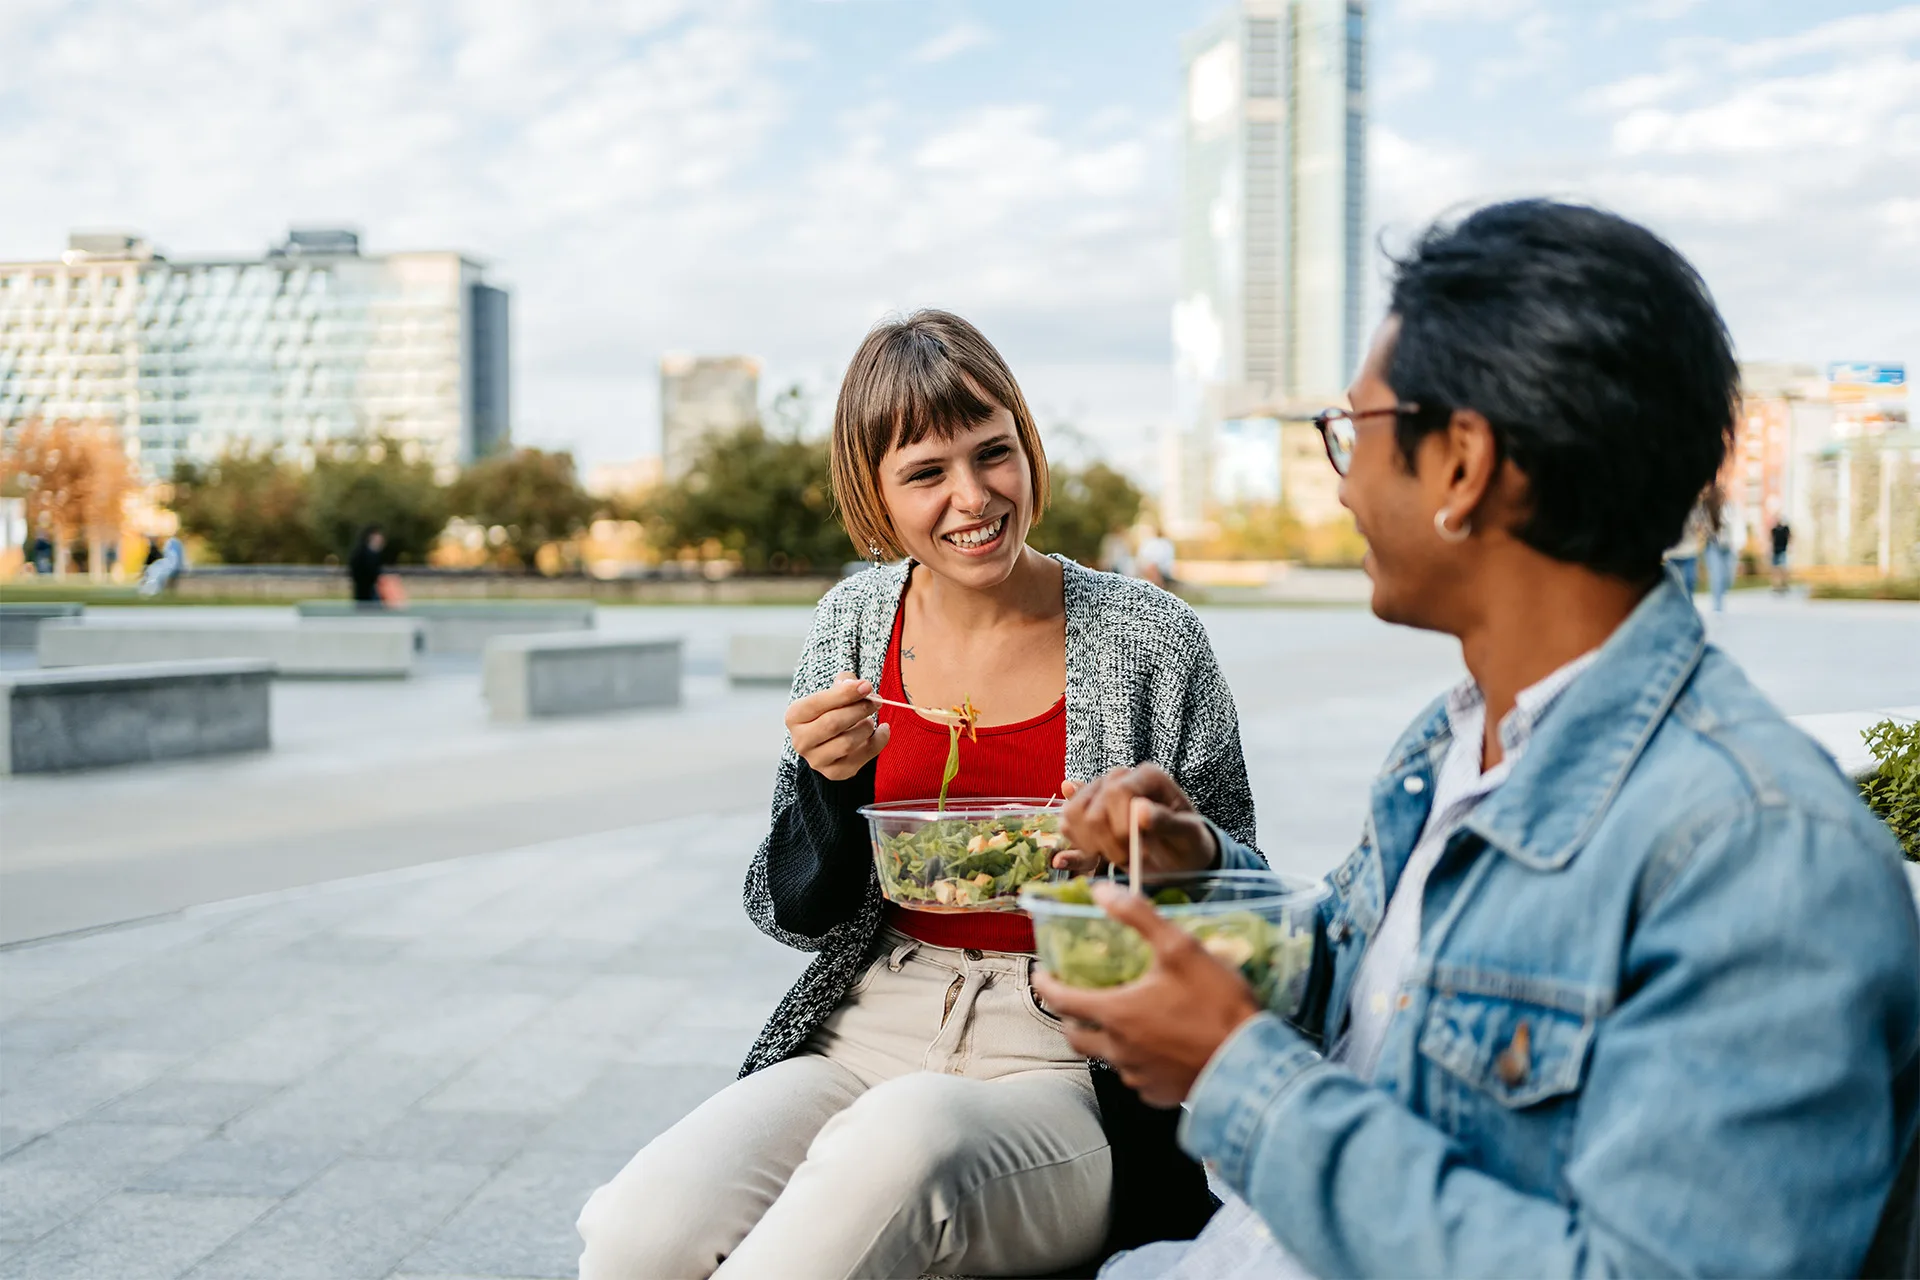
[[1272, 221], [312, 342]]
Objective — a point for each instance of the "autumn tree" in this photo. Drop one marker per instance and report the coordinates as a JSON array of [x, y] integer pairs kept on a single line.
[[1088, 503], [75, 479], [376, 480], [532, 495], [250, 506], [766, 499]]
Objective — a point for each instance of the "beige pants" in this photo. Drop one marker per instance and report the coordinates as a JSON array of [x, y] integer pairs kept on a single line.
[[938, 1121]]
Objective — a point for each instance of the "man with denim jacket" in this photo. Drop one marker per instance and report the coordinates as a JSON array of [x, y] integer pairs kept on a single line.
[[1622, 978]]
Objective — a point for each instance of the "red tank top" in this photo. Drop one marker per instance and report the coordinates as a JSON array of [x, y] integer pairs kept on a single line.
[[1024, 759]]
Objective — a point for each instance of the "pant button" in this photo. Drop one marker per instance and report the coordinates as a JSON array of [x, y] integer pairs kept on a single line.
[[974, 954]]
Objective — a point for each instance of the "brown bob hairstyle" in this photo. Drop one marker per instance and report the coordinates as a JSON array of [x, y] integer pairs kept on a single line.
[[931, 374]]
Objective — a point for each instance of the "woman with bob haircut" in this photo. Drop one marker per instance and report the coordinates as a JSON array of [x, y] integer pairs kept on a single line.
[[910, 1106]]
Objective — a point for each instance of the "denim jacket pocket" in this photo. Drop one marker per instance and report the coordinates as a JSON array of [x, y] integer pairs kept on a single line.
[[1515, 1052], [1504, 1079]]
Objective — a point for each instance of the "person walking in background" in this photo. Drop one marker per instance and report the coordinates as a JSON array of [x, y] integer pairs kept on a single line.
[[365, 566], [1781, 535], [1683, 557], [1724, 545], [153, 554], [160, 574], [1156, 559]]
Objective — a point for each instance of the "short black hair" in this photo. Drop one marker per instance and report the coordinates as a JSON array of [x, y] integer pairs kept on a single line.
[[1596, 353]]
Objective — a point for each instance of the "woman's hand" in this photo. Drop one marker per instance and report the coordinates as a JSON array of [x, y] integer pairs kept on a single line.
[[1173, 837], [834, 730]]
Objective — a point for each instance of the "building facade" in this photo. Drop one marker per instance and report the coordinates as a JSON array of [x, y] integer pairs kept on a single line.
[[313, 341], [702, 396], [1272, 231]]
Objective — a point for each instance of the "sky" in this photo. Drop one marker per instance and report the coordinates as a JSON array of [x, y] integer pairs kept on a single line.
[[772, 177]]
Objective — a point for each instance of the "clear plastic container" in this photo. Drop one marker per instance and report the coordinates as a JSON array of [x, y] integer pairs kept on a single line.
[[973, 855], [1260, 922]]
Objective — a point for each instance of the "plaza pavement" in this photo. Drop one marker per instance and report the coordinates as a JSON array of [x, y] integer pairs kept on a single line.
[[393, 998]]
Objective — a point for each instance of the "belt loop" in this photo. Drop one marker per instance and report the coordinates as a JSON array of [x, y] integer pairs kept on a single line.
[[901, 954]]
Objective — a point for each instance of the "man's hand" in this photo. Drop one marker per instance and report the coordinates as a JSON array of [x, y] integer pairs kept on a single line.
[[1172, 836], [1163, 1029]]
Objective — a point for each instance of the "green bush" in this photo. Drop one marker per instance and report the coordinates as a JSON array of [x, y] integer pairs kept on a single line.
[[1088, 504], [1893, 790]]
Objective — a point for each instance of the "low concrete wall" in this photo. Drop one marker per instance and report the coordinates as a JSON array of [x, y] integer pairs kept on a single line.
[[90, 717], [351, 647], [20, 623], [559, 675], [764, 659], [453, 626]]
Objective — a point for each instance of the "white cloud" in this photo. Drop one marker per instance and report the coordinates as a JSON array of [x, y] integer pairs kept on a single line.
[[1462, 10], [962, 37]]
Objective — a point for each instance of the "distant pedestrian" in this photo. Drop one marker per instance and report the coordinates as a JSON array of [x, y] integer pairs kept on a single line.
[[42, 555], [1724, 545], [153, 554], [1683, 557], [1782, 536], [366, 564], [161, 574], [1155, 561]]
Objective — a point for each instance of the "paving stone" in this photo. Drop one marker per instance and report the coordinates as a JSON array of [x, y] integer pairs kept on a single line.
[[462, 1024], [136, 1236], [358, 1219], [44, 1033], [612, 1013], [225, 1166], [65, 1086], [198, 1102], [521, 1222], [48, 1181], [346, 1102], [630, 1106], [455, 1137], [287, 1047], [528, 1075]]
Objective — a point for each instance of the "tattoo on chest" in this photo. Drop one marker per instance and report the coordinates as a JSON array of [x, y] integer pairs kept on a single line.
[[908, 655]]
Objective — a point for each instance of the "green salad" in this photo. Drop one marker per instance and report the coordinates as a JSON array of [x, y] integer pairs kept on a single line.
[[1097, 951], [961, 862]]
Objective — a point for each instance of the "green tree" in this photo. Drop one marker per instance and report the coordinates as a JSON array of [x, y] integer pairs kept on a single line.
[[765, 499], [1088, 504], [357, 483], [249, 506], [531, 494]]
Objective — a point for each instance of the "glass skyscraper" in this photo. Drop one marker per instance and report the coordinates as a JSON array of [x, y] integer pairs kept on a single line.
[[1272, 226], [314, 341]]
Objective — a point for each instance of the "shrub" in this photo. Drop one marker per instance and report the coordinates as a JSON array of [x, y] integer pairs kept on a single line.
[[1893, 790]]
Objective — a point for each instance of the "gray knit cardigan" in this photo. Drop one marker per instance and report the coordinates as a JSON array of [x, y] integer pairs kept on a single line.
[[1142, 684]]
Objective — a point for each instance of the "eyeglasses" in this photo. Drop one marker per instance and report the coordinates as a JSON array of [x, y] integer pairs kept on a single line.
[[1336, 428]]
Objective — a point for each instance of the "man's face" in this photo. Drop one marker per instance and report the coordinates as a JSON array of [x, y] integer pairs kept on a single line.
[[1414, 571]]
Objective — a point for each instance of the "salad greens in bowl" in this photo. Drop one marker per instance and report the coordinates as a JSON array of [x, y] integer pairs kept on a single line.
[[970, 855], [1259, 922]]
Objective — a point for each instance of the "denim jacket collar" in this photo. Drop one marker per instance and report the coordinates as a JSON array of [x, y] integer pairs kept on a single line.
[[1583, 750], [1575, 765]]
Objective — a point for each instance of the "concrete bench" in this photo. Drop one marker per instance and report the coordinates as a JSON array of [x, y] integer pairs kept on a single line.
[[352, 647], [561, 675], [20, 623], [764, 659], [464, 627], [90, 717]]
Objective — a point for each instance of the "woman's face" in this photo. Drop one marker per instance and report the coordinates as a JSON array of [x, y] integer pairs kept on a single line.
[[962, 507]]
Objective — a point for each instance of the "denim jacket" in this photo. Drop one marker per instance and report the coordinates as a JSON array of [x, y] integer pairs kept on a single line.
[[1665, 1017]]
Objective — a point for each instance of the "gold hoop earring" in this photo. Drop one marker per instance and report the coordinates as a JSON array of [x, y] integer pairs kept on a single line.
[[1451, 535]]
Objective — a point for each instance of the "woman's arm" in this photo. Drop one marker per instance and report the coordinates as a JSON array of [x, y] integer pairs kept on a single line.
[[810, 875], [1209, 764]]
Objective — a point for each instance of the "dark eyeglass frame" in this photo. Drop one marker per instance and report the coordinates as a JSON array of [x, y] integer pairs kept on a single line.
[[1336, 427]]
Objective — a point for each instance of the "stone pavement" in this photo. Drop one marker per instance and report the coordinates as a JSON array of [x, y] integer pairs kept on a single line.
[[416, 1073], [421, 1067]]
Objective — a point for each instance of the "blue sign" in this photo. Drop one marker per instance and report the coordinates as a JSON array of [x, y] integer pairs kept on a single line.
[[1872, 375]]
